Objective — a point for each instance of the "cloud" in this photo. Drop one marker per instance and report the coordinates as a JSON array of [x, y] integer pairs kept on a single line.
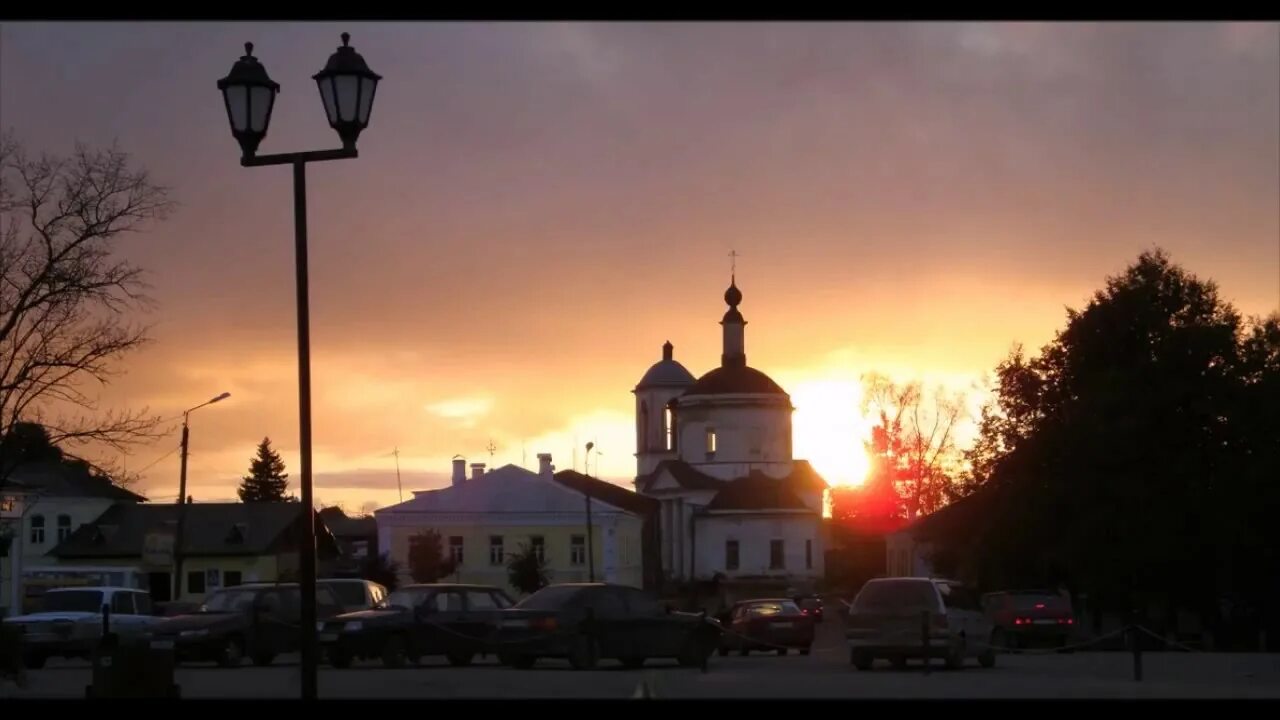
[[466, 411]]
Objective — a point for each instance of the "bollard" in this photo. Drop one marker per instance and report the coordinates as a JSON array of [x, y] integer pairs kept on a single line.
[[924, 638], [1135, 643]]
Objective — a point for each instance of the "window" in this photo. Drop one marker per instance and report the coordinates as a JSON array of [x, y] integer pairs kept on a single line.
[[642, 442], [231, 578], [64, 527], [606, 603], [447, 602], [496, 550], [455, 549], [195, 581], [808, 554], [775, 555], [711, 441], [669, 427], [539, 547], [142, 602], [481, 600], [37, 529], [213, 578], [731, 555], [641, 603], [122, 604], [577, 550]]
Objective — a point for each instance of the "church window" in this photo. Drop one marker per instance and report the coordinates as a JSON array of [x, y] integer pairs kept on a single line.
[[776, 558], [669, 427], [711, 441], [644, 427], [731, 555]]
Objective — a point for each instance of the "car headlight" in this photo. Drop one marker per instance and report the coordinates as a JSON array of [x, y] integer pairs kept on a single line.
[[194, 633], [353, 626]]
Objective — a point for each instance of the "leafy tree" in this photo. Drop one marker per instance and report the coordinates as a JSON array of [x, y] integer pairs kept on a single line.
[[381, 569], [267, 480], [65, 296], [526, 570], [427, 560]]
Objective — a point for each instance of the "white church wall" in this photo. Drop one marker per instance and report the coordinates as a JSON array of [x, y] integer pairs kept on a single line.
[[746, 436], [651, 429], [754, 533]]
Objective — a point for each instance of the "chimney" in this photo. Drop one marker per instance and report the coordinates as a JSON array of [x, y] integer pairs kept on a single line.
[[544, 464], [459, 471], [477, 469]]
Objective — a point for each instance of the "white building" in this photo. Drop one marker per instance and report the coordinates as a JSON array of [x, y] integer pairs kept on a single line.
[[716, 453]]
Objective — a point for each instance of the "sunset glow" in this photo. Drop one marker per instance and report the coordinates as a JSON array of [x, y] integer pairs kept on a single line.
[[829, 429]]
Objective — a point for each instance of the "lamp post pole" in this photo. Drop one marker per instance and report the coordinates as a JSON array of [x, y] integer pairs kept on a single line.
[[182, 498], [347, 87]]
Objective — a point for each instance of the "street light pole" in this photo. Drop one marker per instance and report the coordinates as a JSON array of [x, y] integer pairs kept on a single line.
[[347, 88], [591, 549], [182, 497]]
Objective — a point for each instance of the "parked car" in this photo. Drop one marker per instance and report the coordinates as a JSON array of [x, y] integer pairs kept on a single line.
[[912, 618], [1023, 618], [356, 594], [258, 620], [587, 622], [810, 605], [455, 621], [68, 622], [768, 624]]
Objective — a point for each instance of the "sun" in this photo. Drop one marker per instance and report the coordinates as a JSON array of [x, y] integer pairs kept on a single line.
[[828, 429]]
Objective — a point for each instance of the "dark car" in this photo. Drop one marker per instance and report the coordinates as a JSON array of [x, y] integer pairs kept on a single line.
[[450, 620], [259, 620], [771, 624], [587, 622], [810, 605], [1025, 618]]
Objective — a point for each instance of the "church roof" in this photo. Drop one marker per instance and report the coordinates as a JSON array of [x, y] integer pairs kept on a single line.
[[667, 372], [804, 477], [685, 474], [735, 379], [757, 491]]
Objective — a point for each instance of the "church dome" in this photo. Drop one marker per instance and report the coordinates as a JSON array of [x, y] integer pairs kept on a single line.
[[666, 372], [735, 379]]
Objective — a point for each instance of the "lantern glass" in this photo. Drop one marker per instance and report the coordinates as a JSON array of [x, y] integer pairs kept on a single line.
[[238, 106], [260, 100], [348, 87], [367, 88], [330, 102]]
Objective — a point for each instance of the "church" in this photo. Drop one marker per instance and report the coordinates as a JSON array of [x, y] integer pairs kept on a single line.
[[715, 452]]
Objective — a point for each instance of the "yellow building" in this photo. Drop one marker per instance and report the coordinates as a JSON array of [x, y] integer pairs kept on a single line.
[[224, 544], [485, 518]]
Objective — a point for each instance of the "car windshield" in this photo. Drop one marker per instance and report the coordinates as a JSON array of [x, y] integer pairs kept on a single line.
[[1036, 601], [768, 609], [404, 599], [909, 595], [228, 601], [349, 593], [72, 601], [551, 598]]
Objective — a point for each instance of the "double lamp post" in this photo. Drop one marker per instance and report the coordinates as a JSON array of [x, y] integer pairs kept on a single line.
[[347, 88]]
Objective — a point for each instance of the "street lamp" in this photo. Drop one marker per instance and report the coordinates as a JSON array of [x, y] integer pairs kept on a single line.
[[347, 87], [182, 498], [591, 550]]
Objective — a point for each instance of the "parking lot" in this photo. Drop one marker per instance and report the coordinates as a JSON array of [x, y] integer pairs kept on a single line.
[[824, 674]]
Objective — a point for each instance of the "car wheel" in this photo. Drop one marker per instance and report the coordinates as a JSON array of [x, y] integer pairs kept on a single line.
[[34, 660], [744, 651], [955, 658], [724, 652], [340, 659], [263, 659], [633, 663], [804, 651], [696, 650], [460, 659], [393, 652], [861, 660], [899, 662], [782, 651], [585, 653], [520, 662], [232, 653], [987, 659]]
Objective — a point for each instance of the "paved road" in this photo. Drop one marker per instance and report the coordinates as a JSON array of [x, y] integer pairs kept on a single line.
[[824, 674]]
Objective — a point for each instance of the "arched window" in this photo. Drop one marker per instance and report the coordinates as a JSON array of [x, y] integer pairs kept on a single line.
[[643, 442], [64, 527], [669, 426], [37, 529]]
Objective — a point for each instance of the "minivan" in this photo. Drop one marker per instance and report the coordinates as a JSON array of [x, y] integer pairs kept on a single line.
[[903, 618]]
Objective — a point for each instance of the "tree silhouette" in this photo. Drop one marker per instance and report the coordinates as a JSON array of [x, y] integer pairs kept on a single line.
[[427, 561], [267, 480], [526, 570]]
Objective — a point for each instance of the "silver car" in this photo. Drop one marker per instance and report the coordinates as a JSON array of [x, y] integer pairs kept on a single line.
[[903, 618], [69, 621]]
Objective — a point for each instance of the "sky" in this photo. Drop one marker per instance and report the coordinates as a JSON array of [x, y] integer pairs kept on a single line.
[[537, 207]]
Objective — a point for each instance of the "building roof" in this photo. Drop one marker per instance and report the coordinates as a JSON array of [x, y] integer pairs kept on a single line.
[[666, 372], [345, 526], [508, 489], [685, 474], [209, 529], [615, 495], [732, 380], [63, 479], [804, 477], [757, 491]]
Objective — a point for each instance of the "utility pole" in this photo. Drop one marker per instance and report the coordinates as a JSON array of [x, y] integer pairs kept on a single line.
[[591, 551], [399, 487]]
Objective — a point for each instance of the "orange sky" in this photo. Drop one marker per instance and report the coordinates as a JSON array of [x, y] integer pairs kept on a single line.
[[537, 207]]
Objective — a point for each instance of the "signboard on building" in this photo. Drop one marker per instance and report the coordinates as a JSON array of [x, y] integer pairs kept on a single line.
[[157, 548]]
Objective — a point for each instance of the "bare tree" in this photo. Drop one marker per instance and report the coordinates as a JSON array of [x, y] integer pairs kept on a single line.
[[916, 438], [66, 299]]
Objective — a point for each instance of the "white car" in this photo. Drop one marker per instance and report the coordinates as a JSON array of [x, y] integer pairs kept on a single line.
[[69, 622], [903, 618]]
